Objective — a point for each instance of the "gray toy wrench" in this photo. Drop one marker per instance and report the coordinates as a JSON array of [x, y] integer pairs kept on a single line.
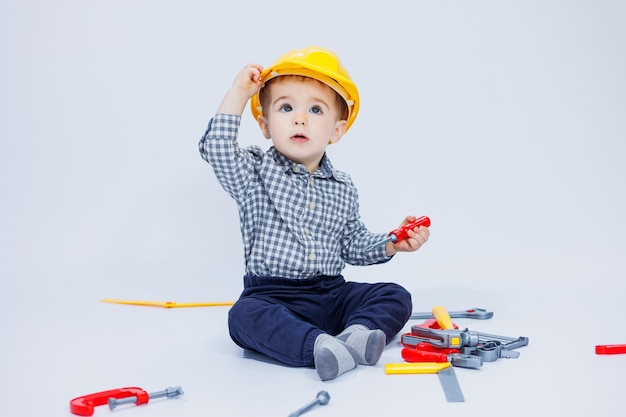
[[471, 313]]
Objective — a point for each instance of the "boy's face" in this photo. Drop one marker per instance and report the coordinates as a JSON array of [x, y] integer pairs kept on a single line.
[[302, 118]]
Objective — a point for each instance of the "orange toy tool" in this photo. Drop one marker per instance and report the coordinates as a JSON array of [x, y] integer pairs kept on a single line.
[[167, 304]]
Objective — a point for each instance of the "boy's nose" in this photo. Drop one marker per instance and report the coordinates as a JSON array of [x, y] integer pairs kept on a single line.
[[299, 119]]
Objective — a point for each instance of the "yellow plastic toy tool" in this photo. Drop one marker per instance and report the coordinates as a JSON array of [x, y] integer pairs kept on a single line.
[[416, 367], [167, 304], [443, 318], [445, 370]]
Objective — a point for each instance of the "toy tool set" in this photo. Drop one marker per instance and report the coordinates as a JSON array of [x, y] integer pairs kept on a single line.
[[437, 346], [440, 338], [489, 347]]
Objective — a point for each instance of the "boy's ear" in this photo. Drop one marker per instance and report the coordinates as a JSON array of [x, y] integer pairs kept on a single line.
[[264, 127], [340, 129]]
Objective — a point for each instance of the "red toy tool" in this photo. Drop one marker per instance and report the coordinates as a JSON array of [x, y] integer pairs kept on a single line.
[[425, 352], [401, 233], [84, 406], [610, 349]]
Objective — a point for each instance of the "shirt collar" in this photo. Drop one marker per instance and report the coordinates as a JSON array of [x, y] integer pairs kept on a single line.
[[326, 169]]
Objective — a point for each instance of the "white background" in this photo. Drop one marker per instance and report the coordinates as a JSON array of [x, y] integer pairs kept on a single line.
[[504, 122]]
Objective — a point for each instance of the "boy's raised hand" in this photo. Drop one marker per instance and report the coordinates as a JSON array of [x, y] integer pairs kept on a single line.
[[249, 79], [416, 238], [246, 84]]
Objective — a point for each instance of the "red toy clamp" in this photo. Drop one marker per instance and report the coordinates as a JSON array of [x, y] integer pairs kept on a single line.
[[84, 406]]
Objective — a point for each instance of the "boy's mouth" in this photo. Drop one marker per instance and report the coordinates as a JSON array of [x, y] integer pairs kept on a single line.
[[299, 138]]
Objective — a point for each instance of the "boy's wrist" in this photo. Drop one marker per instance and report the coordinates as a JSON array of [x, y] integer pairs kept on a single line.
[[390, 249]]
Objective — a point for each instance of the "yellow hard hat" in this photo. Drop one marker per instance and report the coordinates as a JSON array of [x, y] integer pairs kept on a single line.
[[317, 63]]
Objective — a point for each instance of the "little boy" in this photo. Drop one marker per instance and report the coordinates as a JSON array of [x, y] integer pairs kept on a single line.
[[300, 220]]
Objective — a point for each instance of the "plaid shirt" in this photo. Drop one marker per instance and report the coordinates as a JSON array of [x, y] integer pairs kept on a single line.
[[294, 224]]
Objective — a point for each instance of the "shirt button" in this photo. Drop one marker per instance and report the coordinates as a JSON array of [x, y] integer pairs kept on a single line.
[[306, 230], [311, 206], [311, 181], [312, 257], [296, 168]]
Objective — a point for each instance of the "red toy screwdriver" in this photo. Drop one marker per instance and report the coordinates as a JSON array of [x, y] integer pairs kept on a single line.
[[401, 233]]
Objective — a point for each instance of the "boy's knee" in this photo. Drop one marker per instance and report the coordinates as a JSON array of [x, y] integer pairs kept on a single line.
[[399, 293]]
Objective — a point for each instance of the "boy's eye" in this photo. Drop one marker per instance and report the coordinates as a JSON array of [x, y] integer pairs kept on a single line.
[[316, 110], [285, 108]]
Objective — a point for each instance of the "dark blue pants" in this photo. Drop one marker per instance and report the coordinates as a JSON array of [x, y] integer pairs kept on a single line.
[[281, 317]]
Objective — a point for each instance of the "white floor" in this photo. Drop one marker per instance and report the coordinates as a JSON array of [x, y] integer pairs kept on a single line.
[[60, 349], [503, 122], [57, 348]]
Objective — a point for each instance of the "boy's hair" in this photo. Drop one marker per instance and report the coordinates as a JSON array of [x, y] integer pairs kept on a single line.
[[339, 101]]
